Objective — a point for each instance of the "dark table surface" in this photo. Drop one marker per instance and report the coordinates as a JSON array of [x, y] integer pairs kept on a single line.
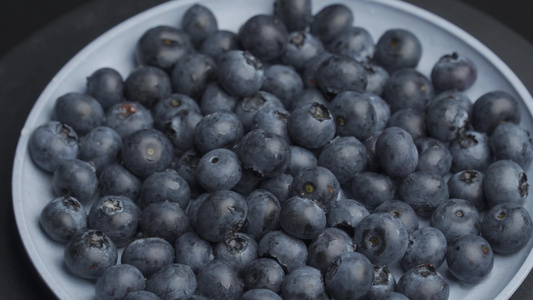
[[38, 37]]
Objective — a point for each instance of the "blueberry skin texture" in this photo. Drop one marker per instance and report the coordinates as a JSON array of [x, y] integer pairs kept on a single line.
[[265, 153], [384, 284], [282, 81], [62, 218], [180, 129], [165, 220], [453, 72], [75, 178], [468, 185], [218, 130], [238, 249], [79, 110], [172, 281], [260, 294], [162, 46], [327, 246], [396, 152], [330, 21], [317, 184], [52, 143], [219, 42], [191, 74], [295, 14], [377, 78], [433, 156], [346, 215], [167, 108], [263, 213], [470, 258], [423, 191], [301, 48], [410, 120], [117, 180], [100, 146], [306, 97], [248, 107], [148, 254], [186, 166], [288, 251], [345, 157], [215, 99], [382, 238], [510, 141], [280, 186], [423, 282], [265, 36], [397, 49], [117, 281], [220, 214], [311, 126], [219, 169], [426, 245], [372, 189], [240, 73], [310, 71], [470, 151], [447, 119], [455, 218], [273, 119], [106, 85], [199, 22], [507, 227], [117, 217], [127, 117], [217, 280], [192, 250], [147, 151], [340, 73], [505, 181], [408, 88], [355, 42], [350, 277], [494, 108], [147, 85], [302, 218], [301, 158], [263, 273], [462, 97], [141, 295], [89, 253], [402, 211], [354, 114], [304, 283]]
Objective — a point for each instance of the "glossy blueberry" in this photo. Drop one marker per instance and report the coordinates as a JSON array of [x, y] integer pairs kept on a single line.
[[248, 107], [511, 141], [424, 278], [218, 280], [263, 273], [186, 166], [493, 108], [180, 129], [221, 213], [372, 189], [302, 47], [100, 146], [117, 180], [62, 218], [147, 85], [310, 71], [117, 281], [238, 249], [453, 72], [80, 111], [301, 158], [354, 114], [288, 251], [505, 181], [162, 46], [507, 227], [426, 245], [52, 143], [117, 217], [345, 157], [410, 120], [470, 151], [402, 211], [165, 109], [311, 126], [215, 99], [468, 185], [339, 73], [165, 220], [384, 283], [106, 86], [318, 184], [191, 74], [172, 281], [240, 73], [302, 218], [397, 49], [265, 36], [192, 250], [382, 109], [433, 156], [423, 191], [447, 119], [263, 213], [350, 277], [306, 97], [219, 42], [75, 178], [218, 130], [408, 88], [89, 253], [265, 294], [396, 152], [199, 22], [141, 295], [295, 14], [147, 151], [272, 119], [382, 238], [377, 78], [279, 185], [327, 246], [304, 282], [355, 42], [282, 81], [331, 20], [148, 254], [219, 169], [346, 215], [127, 117], [470, 258], [455, 218]]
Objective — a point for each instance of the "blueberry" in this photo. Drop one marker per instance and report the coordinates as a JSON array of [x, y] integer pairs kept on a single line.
[[191, 74], [345, 157], [172, 281], [346, 215], [511, 141], [382, 238], [311, 126], [199, 22], [141, 295], [455, 218], [326, 247], [384, 283], [350, 277], [301, 158], [62, 218], [423, 191], [310, 71], [301, 48], [317, 184], [410, 120], [470, 151], [265, 36], [148, 254], [238, 249], [470, 258], [453, 72], [240, 73], [304, 282], [392, 296], [382, 110], [408, 88], [180, 129], [302, 218], [117, 281], [505, 181], [147, 151], [116, 216], [339, 73], [355, 42], [248, 107], [75, 178], [147, 85], [219, 169], [192, 250], [127, 117], [282, 81], [424, 278], [447, 119], [279, 185], [80, 111], [249, 182], [100, 146], [372, 189], [377, 78], [186, 166], [402, 211], [331, 20], [295, 14], [426, 245], [263, 273], [494, 108], [117, 180], [89, 253], [397, 49], [433, 156], [288, 251], [217, 280], [396, 152], [263, 213], [52, 143], [165, 109], [461, 97], [218, 130], [468, 185], [355, 114], [215, 99], [265, 294], [219, 42], [165, 220], [507, 227], [106, 86], [272, 119], [306, 97]]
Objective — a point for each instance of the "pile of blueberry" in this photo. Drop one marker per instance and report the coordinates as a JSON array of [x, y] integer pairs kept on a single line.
[[293, 159]]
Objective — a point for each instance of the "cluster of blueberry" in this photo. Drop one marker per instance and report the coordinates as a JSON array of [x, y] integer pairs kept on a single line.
[[291, 159]]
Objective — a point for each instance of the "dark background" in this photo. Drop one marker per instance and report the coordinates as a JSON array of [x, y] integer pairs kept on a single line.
[[37, 37]]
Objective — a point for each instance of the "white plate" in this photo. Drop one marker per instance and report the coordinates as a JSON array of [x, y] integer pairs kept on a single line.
[[31, 186]]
